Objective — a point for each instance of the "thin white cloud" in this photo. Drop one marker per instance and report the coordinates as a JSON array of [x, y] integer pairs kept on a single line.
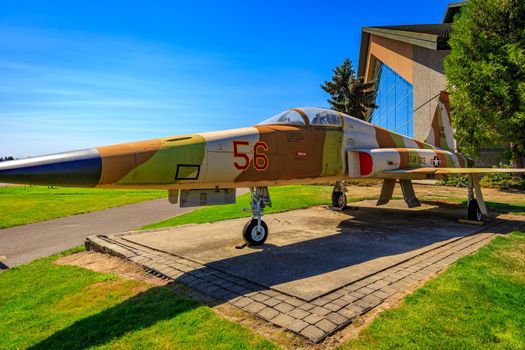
[[65, 90]]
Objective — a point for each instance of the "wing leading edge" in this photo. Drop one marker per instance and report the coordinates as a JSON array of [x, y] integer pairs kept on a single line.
[[458, 171]]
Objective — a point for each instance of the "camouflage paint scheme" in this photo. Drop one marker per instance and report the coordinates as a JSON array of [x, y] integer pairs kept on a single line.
[[258, 155], [266, 154]]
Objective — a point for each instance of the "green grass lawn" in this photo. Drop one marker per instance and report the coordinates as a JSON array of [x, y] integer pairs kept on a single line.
[[506, 208], [477, 303], [20, 205], [47, 306], [516, 208], [284, 198]]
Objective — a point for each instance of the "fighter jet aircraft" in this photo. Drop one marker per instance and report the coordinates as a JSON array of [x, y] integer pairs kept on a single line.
[[297, 146]]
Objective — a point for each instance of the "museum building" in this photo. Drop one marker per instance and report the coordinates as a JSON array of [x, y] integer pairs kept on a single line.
[[407, 63]]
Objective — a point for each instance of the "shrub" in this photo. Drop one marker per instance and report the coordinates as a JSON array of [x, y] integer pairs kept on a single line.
[[494, 180]]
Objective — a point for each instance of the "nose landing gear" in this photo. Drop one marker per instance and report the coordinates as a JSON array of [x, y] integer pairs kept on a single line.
[[255, 232]]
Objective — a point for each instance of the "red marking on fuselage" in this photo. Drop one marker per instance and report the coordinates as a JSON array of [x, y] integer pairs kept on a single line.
[[260, 156], [243, 155], [365, 163]]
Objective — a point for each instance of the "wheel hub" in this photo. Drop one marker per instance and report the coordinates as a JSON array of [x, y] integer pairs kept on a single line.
[[479, 215], [258, 233]]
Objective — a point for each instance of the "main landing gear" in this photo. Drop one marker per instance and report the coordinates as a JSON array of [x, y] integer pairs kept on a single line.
[[477, 210], [339, 196], [255, 231]]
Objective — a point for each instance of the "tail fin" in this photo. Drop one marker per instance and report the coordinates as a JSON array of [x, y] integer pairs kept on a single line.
[[441, 133]]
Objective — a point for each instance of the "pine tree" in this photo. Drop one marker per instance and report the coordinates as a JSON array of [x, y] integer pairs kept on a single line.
[[349, 94]]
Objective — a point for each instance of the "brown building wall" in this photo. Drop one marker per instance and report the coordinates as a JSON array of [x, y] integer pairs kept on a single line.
[[490, 157], [395, 54], [428, 81]]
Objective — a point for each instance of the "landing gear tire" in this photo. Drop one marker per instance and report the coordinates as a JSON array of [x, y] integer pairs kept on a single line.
[[474, 213], [253, 235], [339, 200]]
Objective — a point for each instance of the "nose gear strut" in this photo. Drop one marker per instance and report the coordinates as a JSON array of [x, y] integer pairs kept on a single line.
[[255, 231]]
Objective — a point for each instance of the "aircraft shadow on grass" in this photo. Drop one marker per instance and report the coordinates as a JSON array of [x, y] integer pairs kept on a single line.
[[139, 312], [353, 243]]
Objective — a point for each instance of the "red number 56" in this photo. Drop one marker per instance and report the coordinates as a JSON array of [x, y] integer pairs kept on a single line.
[[260, 160]]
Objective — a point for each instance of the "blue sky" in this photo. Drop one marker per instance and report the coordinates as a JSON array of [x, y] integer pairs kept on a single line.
[[79, 74]]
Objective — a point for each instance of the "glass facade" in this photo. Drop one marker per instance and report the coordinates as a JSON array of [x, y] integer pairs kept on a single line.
[[394, 98]]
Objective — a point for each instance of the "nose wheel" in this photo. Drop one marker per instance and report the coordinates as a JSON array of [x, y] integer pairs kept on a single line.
[[255, 231], [255, 234]]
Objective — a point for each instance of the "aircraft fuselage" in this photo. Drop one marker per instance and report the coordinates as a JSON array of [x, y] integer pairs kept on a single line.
[[261, 155]]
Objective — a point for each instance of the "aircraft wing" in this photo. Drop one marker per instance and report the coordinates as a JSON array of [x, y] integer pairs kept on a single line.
[[450, 171]]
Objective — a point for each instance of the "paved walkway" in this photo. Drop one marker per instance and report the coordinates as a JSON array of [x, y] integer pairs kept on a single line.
[[314, 319], [23, 244]]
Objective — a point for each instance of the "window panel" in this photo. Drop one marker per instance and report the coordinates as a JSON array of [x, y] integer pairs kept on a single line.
[[394, 99], [401, 111]]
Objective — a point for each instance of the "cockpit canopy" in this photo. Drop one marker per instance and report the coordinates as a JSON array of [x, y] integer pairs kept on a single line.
[[302, 116]]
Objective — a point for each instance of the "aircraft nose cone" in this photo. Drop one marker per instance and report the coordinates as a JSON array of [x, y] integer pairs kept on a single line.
[[77, 168]]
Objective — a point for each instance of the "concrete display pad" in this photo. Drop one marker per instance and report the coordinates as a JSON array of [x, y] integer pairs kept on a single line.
[[319, 269], [314, 251]]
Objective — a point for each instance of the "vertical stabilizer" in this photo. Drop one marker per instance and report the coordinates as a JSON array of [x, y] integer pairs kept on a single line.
[[441, 133]]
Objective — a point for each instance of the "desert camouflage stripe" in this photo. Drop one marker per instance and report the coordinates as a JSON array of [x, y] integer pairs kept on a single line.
[[150, 162], [389, 139], [441, 133]]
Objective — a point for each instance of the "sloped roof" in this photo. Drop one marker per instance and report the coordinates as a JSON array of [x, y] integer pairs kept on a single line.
[[442, 30], [452, 9], [430, 36]]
